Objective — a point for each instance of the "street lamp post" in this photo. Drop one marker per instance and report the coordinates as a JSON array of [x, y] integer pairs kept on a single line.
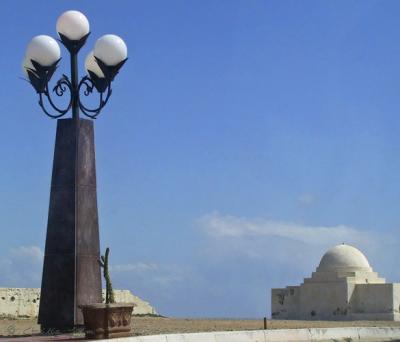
[[71, 273]]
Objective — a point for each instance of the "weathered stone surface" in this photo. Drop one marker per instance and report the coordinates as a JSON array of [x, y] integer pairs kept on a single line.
[[24, 302]]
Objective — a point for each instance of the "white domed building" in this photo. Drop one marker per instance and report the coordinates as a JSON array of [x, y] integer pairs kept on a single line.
[[343, 287]]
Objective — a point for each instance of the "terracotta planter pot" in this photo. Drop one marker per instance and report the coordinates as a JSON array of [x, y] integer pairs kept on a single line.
[[107, 320]]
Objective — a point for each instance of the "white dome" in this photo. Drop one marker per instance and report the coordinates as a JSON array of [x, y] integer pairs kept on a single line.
[[343, 257]]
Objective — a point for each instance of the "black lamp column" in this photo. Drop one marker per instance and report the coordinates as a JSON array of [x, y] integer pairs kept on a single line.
[[71, 272]]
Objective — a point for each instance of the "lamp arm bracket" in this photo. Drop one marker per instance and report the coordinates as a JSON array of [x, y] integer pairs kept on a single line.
[[89, 87], [62, 85]]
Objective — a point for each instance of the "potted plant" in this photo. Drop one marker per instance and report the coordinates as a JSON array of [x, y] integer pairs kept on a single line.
[[109, 319]]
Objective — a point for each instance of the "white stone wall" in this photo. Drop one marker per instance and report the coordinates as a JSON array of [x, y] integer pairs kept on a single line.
[[372, 300], [311, 301], [396, 301], [323, 301], [285, 303], [19, 302], [278, 335], [24, 302]]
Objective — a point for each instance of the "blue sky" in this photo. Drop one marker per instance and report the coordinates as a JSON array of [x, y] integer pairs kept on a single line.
[[242, 139]]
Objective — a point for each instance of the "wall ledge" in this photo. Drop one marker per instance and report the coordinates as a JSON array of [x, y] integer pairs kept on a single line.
[[364, 334]]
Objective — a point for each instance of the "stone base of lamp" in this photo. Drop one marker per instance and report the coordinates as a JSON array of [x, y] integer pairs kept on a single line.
[[71, 272]]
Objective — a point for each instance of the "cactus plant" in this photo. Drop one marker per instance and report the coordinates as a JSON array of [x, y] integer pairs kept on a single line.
[[104, 264], [107, 320]]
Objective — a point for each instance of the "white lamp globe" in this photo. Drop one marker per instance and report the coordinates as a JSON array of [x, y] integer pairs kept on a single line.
[[27, 64], [73, 24], [91, 64], [110, 49], [44, 50]]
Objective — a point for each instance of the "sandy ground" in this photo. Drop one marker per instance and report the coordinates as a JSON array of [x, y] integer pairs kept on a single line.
[[157, 325], [150, 326]]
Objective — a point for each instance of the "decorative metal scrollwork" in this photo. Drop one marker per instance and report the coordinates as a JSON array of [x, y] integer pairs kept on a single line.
[[89, 85], [62, 85], [39, 76]]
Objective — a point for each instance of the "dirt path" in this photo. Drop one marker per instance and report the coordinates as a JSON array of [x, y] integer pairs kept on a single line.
[[157, 325], [150, 326]]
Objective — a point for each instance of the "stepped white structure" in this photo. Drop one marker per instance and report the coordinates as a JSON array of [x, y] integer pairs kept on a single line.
[[24, 302], [344, 287]]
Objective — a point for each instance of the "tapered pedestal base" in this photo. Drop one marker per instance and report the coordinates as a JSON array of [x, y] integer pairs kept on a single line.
[[71, 273]]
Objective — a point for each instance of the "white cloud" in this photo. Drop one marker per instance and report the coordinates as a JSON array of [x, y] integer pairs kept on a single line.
[[32, 253], [306, 199], [169, 278], [282, 242], [219, 226], [153, 273], [21, 267], [138, 267]]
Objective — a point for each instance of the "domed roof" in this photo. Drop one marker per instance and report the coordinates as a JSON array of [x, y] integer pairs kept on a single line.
[[343, 257]]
